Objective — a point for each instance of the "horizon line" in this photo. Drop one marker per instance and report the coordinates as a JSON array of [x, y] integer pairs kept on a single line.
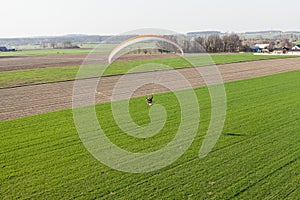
[[114, 34]]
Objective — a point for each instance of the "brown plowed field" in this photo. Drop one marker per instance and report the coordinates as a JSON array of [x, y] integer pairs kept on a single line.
[[29, 100], [30, 62]]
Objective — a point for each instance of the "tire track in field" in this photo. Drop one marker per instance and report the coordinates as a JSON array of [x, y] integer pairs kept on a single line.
[[187, 163], [287, 164], [35, 99]]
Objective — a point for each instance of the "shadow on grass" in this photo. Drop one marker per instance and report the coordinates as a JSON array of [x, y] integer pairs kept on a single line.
[[234, 134]]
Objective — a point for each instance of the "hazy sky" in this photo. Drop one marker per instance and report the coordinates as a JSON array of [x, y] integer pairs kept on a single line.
[[59, 17]]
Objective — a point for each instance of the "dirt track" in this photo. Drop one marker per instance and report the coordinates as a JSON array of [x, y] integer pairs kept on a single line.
[[30, 100]]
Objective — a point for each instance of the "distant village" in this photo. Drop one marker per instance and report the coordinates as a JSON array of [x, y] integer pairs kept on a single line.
[[211, 41]]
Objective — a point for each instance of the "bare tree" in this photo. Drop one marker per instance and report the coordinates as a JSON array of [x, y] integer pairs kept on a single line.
[[200, 40], [53, 45], [232, 42], [272, 44], [225, 43], [286, 43], [166, 46], [212, 43], [216, 43]]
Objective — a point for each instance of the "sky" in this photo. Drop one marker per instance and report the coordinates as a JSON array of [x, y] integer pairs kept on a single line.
[[28, 18]]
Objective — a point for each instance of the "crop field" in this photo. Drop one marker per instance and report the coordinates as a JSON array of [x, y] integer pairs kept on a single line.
[[53, 69], [100, 101], [28, 100], [44, 52], [257, 156]]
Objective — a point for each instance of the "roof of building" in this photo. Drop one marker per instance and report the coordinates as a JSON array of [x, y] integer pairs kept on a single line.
[[262, 46]]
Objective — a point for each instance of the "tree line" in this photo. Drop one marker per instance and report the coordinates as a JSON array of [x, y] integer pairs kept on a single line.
[[213, 43]]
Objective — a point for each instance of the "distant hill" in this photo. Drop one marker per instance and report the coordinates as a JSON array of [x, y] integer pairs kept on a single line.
[[264, 32], [292, 32], [204, 33], [75, 35], [74, 38]]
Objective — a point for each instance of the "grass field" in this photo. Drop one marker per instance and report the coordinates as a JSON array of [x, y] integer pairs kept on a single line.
[[38, 47], [53, 74], [36, 50], [257, 156]]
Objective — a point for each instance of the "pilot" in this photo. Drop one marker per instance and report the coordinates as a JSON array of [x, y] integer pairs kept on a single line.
[[149, 100]]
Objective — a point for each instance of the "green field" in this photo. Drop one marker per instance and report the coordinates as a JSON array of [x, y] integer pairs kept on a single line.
[[36, 50], [257, 156], [53, 74]]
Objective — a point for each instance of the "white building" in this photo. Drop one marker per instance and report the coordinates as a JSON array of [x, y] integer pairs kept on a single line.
[[263, 46], [297, 47]]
